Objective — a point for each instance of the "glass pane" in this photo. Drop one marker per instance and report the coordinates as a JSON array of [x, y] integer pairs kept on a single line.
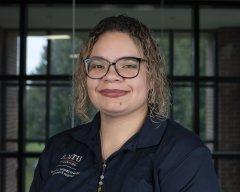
[[36, 54], [207, 54], [183, 106], [225, 24], [50, 16], [9, 40], [59, 29], [183, 57], [229, 175], [162, 40], [9, 115], [209, 145], [35, 146], [80, 37], [12, 52], [31, 164], [36, 112], [229, 121], [228, 55], [60, 110], [11, 118], [8, 180], [215, 18], [153, 16], [206, 114], [61, 52]]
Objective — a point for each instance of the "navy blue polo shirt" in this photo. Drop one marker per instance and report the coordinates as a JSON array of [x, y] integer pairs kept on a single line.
[[162, 156]]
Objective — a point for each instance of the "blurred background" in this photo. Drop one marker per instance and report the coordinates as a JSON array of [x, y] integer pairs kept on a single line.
[[39, 42]]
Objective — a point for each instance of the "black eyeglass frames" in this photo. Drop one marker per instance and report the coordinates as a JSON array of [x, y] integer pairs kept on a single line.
[[126, 67]]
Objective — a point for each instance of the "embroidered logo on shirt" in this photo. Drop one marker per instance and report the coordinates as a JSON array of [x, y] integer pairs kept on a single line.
[[67, 165]]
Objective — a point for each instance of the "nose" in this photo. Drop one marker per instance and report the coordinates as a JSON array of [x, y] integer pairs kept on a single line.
[[112, 75]]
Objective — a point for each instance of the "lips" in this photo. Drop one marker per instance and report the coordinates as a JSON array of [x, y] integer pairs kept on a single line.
[[113, 92]]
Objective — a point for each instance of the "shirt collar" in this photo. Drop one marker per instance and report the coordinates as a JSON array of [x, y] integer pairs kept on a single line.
[[150, 133]]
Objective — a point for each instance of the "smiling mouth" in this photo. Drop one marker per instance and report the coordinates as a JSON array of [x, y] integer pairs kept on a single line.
[[112, 92]]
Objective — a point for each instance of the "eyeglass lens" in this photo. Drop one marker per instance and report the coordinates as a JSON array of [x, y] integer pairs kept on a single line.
[[125, 67]]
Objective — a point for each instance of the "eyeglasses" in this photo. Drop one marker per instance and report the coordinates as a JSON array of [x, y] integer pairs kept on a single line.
[[126, 67]]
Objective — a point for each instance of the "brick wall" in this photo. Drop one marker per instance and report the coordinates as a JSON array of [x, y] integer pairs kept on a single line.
[[12, 112], [11, 107], [229, 107], [12, 53]]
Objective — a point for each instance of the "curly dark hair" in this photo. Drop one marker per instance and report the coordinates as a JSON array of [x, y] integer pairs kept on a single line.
[[159, 95]]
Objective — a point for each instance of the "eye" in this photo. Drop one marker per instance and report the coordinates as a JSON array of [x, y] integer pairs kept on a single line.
[[128, 63], [96, 65], [130, 66]]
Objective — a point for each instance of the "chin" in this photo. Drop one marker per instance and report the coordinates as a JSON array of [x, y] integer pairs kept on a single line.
[[113, 112]]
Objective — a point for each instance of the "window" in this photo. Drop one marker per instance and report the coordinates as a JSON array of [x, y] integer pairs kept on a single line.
[[36, 95]]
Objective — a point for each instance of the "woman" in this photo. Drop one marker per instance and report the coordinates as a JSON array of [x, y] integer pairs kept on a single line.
[[130, 145]]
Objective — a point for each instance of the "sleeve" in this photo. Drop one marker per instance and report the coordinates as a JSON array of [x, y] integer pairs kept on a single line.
[[194, 174], [41, 171]]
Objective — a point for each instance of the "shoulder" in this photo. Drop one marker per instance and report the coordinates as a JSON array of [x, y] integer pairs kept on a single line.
[[183, 158], [69, 136], [178, 144], [180, 138]]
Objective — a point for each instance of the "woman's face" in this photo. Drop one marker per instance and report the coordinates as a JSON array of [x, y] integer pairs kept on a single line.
[[114, 95]]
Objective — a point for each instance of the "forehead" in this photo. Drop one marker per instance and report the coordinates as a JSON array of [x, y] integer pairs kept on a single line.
[[114, 45]]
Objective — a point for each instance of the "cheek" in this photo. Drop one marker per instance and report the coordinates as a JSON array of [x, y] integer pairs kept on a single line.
[[144, 90], [143, 85], [91, 86], [141, 88]]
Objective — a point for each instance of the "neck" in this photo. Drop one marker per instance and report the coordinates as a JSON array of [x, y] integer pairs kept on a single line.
[[116, 130]]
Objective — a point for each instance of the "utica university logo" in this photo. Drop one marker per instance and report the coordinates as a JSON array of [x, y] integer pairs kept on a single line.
[[67, 165], [73, 157]]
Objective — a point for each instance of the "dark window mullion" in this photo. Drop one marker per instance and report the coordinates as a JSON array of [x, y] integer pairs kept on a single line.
[[3, 116], [4, 52], [216, 97], [3, 135], [196, 102], [23, 24], [47, 130], [27, 140]]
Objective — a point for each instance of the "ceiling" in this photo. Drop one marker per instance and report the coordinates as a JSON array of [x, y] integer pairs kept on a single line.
[[60, 17], [155, 2]]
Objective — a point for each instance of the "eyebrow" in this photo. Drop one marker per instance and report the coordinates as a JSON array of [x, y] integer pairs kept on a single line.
[[116, 59]]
